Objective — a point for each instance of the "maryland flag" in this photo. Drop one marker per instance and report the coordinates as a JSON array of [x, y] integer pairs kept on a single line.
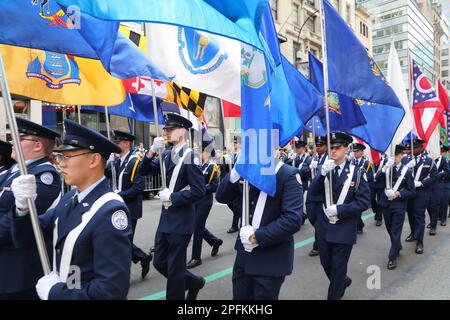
[[60, 78], [186, 98]]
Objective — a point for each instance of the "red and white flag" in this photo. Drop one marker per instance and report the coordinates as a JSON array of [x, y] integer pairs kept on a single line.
[[444, 100], [426, 106], [143, 85]]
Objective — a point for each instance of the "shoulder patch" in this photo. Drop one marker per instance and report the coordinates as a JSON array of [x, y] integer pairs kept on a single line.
[[119, 220], [47, 178]]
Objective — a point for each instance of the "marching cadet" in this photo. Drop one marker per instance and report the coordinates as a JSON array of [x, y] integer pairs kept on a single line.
[[5, 158], [236, 205], [130, 187], [301, 160], [89, 226], [314, 203], [265, 247], [176, 225], [20, 268], [424, 172], [445, 180], [336, 223], [438, 190], [360, 161], [393, 200], [203, 207]]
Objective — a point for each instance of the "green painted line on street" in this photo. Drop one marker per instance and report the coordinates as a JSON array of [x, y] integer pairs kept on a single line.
[[226, 272]]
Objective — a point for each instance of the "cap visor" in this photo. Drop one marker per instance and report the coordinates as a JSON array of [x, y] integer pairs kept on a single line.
[[66, 147]]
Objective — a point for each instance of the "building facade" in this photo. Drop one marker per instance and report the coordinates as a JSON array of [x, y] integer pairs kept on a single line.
[[413, 34]]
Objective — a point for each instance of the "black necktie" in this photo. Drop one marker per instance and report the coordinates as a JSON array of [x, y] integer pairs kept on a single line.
[[74, 201]]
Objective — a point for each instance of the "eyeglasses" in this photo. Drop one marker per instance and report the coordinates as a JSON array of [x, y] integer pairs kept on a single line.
[[61, 157]]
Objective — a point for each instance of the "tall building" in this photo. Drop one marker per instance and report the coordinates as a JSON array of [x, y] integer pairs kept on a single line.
[[298, 26], [402, 21], [445, 8]]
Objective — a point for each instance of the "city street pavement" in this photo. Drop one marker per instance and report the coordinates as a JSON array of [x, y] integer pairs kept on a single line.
[[425, 276]]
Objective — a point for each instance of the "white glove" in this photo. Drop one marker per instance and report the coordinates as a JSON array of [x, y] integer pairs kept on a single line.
[[331, 213], [46, 283], [418, 184], [158, 144], [234, 176], [164, 195], [390, 194], [351, 156], [24, 188], [390, 162], [313, 164], [245, 234], [328, 166], [116, 191], [411, 164], [112, 157]]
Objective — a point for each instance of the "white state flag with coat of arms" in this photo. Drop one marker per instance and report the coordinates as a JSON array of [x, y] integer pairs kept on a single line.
[[197, 60]]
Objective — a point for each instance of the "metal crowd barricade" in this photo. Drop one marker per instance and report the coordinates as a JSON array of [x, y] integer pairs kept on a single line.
[[153, 183]]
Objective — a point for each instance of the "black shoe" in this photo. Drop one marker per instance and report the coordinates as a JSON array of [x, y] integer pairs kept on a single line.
[[215, 248], [410, 238], [392, 264], [152, 249], [145, 263], [193, 292], [348, 282], [304, 219], [443, 224], [428, 226], [419, 248], [313, 253], [378, 223], [432, 232], [232, 230], [193, 263], [359, 231]]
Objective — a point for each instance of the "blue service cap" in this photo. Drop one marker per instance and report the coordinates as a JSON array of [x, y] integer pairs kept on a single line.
[[340, 138], [208, 145], [300, 143], [321, 140], [415, 142], [122, 135], [174, 120], [81, 137], [27, 127], [400, 148], [358, 146]]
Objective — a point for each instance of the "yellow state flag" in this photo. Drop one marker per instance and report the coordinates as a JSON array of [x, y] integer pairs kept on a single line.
[[60, 78]]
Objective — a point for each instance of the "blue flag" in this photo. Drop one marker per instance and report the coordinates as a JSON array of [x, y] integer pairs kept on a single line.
[[48, 27], [315, 125], [374, 123], [237, 19], [295, 99], [351, 70], [135, 106], [344, 112]]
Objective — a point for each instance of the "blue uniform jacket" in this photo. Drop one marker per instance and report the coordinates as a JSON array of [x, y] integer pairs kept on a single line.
[[20, 268], [406, 189], [302, 165], [428, 174], [357, 201], [281, 218], [209, 174], [131, 190], [179, 218], [443, 176], [102, 251]]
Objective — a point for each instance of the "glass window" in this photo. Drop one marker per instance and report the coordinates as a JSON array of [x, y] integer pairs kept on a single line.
[[294, 15], [348, 14], [445, 63], [445, 52], [311, 24], [296, 47]]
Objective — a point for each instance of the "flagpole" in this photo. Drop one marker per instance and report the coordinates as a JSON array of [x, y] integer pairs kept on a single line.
[[313, 173], [6, 95], [79, 114], [325, 86], [410, 101], [113, 167], [155, 115]]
